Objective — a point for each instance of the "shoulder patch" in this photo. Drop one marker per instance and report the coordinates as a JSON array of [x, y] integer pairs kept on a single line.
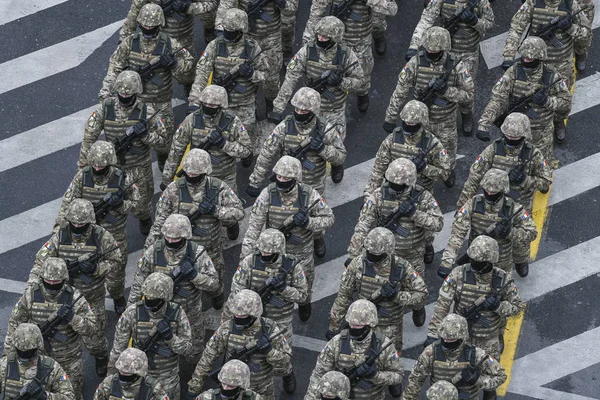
[[443, 153], [404, 71], [293, 62], [525, 216], [434, 203], [203, 58]]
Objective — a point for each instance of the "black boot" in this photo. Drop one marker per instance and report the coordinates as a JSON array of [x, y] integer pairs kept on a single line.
[[451, 180], [337, 173], [289, 383], [120, 305], [209, 34], [217, 301], [269, 105], [429, 254], [233, 231], [145, 225], [101, 366], [187, 88], [418, 317], [247, 161], [362, 102], [161, 159], [580, 60], [395, 390], [560, 131], [501, 343], [522, 269], [489, 395], [320, 247], [304, 311], [467, 123], [380, 44]]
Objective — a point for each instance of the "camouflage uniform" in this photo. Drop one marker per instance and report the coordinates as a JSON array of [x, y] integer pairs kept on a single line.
[[288, 34], [581, 46], [266, 34], [223, 136], [379, 28], [38, 376], [441, 362], [334, 384], [347, 350], [198, 274], [212, 197], [442, 390], [40, 303], [114, 188], [222, 57], [390, 283], [131, 361], [114, 118], [518, 82], [311, 61], [136, 51], [234, 374], [276, 207], [458, 89], [70, 246], [247, 329]]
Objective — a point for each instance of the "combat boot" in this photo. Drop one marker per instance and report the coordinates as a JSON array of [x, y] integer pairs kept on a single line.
[[362, 102], [429, 254], [489, 395], [560, 131], [418, 316], [451, 180], [289, 383], [217, 301], [247, 161], [145, 225], [120, 305], [161, 159], [395, 390], [209, 35], [522, 269], [101, 366], [304, 311], [233, 231], [380, 45], [320, 247], [337, 173], [467, 123], [580, 60], [268, 105]]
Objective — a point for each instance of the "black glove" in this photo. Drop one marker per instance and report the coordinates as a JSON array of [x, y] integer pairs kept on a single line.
[[348, 261], [389, 291], [395, 390], [469, 17], [316, 144], [408, 208], [420, 163], [502, 231], [428, 341], [274, 117], [564, 24], [443, 272], [506, 64], [469, 376], [88, 267], [252, 191], [216, 139], [264, 344], [389, 127], [188, 269], [301, 219], [277, 282], [35, 390], [207, 207], [140, 128], [168, 60], [410, 53], [246, 70], [440, 86], [163, 186], [330, 334], [540, 98], [164, 328], [517, 176], [367, 371], [66, 313], [335, 78], [491, 303], [280, 3], [114, 200], [482, 135], [182, 6]]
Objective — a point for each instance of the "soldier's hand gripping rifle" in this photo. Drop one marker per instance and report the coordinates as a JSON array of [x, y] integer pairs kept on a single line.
[[320, 84], [79, 268], [354, 373], [124, 144], [548, 31], [473, 312], [391, 221], [151, 347], [429, 94], [193, 216], [288, 226], [451, 24], [179, 276], [300, 152], [49, 331], [170, 9], [344, 11], [266, 290], [102, 208], [229, 80], [256, 11], [148, 71], [25, 393]]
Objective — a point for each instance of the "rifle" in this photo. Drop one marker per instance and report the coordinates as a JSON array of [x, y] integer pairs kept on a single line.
[[149, 345], [504, 222], [472, 313], [522, 105], [300, 152], [23, 395], [422, 153], [548, 31], [451, 24], [344, 11], [148, 71], [266, 290], [352, 373], [102, 208], [207, 143], [391, 221], [457, 380], [124, 144], [428, 95], [178, 277], [255, 11], [49, 331], [170, 11], [229, 80], [320, 83], [512, 193], [196, 230], [74, 266], [289, 225], [382, 311]]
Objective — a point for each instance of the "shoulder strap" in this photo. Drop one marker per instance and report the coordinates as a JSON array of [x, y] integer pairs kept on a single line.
[[340, 55], [88, 180], [499, 149], [221, 47], [520, 74], [115, 387], [313, 53], [45, 367], [109, 109], [345, 342], [172, 311]]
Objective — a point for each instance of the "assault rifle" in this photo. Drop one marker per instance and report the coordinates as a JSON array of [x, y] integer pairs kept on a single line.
[[548, 31], [49, 331], [422, 154], [256, 11], [288, 226], [266, 290], [196, 230], [352, 372], [320, 83], [102, 208], [149, 345], [344, 11], [391, 221], [171, 11], [23, 395], [300, 152], [472, 313], [429, 95], [148, 71], [74, 266], [512, 193], [208, 144], [229, 80], [124, 144], [179, 277], [505, 221], [458, 382], [382, 311], [523, 105], [451, 24]]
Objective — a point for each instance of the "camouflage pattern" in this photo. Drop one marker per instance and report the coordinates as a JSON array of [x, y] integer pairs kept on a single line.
[[495, 181], [336, 384], [177, 226], [288, 33], [442, 390], [436, 39], [197, 162], [212, 394], [534, 47], [128, 83], [516, 126], [581, 46], [362, 312], [214, 94], [235, 373], [415, 112], [453, 327], [235, 19], [380, 241], [271, 241], [288, 167], [401, 172], [158, 286], [307, 98], [329, 26], [246, 303], [102, 154], [80, 211], [151, 15], [132, 361], [54, 269], [484, 248]]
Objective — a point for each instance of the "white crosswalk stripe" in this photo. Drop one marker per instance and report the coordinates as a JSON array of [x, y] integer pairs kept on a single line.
[[11, 10]]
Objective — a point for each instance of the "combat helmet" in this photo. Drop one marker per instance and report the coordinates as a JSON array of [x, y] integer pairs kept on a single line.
[[197, 162], [158, 286], [334, 383], [28, 336], [133, 361], [495, 181], [402, 171], [235, 20], [362, 312], [484, 249], [331, 27], [235, 373], [177, 226], [54, 269], [415, 112], [151, 15], [442, 390], [81, 211], [247, 302], [516, 126], [289, 167], [307, 99], [379, 241], [271, 241], [533, 47], [437, 39], [128, 83], [214, 94], [102, 154], [454, 327]]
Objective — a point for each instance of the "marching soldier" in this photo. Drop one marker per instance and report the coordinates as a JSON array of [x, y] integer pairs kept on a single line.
[[442, 390], [581, 47], [333, 385], [247, 329], [289, 205], [234, 379]]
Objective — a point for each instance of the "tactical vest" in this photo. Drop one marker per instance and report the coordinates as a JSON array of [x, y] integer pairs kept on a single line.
[[206, 229], [144, 327], [301, 240], [162, 265], [541, 15], [13, 383], [222, 163], [445, 370], [315, 67], [225, 61], [246, 395], [389, 312], [467, 38], [505, 162], [401, 149], [425, 73], [153, 93], [471, 291], [278, 309], [114, 221], [523, 87], [416, 235], [174, 28], [258, 27], [360, 28], [146, 392], [69, 251], [481, 220], [347, 360], [42, 310], [260, 369], [292, 140], [114, 129]]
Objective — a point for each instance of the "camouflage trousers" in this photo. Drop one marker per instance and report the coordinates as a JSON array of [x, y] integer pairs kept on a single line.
[[338, 117], [247, 114], [73, 366], [567, 71], [447, 135], [208, 20], [364, 52], [216, 255], [168, 118], [193, 310], [288, 331], [307, 262], [169, 380], [543, 139], [490, 345], [379, 24], [522, 249], [96, 344], [471, 61], [288, 33], [274, 61], [115, 280], [145, 183], [394, 333], [414, 254], [188, 43], [581, 46]]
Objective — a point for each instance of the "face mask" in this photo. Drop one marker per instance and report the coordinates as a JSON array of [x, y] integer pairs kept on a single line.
[[53, 288], [449, 346], [128, 378], [531, 65], [127, 101], [210, 112], [174, 246], [434, 57], [25, 356], [193, 180], [232, 36], [492, 198], [324, 44], [101, 172], [481, 267], [410, 130], [303, 118], [358, 333], [230, 393], [78, 230], [244, 322], [514, 142], [285, 186], [153, 304], [150, 33], [270, 259], [398, 188], [375, 258]]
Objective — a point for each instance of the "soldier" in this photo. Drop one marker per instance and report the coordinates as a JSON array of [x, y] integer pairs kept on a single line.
[[176, 256], [234, 379], [280, 281], [351, 347], [26, 371], [581, 46], [537, 14], [413, 141], [417, 76], [495, 215], [131, 381], [212, 204], [247, 329], [411, 211], [379, 28], [78, 240], [525, 78], [232, 53], [150, 48], [384, 279], [452, 358], [55, 298], [179, 25], [217, 131], [323, 54], [333, 385], [289, 204], [467, 33], [108, 187], [358, 26], [115, 116], [288, 35], [265, 28], [442, 390]]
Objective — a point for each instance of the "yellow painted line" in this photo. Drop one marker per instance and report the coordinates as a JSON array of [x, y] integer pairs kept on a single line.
[[540, 211], [511, 338]]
